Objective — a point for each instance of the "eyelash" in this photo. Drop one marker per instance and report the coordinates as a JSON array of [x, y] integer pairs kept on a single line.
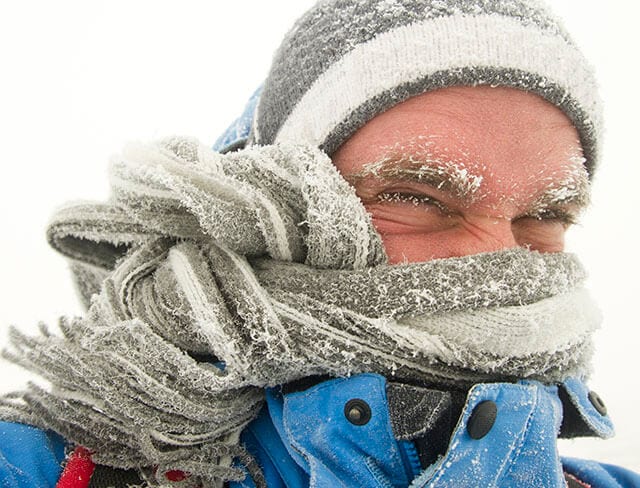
[[559, 215], [416, 200]]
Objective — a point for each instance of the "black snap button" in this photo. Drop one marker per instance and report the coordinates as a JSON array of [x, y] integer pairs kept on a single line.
[[597, 403], [357, 412], [482, 419]]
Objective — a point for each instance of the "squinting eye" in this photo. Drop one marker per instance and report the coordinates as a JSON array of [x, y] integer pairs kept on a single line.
[[412, 199], [551, 215]]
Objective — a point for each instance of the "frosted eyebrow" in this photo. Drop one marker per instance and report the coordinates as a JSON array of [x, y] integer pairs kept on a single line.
[[573, 189], [441, 174]]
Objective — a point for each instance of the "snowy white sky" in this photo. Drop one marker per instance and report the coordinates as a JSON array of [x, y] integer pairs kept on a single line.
[[82, 77]]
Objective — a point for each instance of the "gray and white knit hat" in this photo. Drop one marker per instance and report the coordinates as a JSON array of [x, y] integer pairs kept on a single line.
[[345, 61]]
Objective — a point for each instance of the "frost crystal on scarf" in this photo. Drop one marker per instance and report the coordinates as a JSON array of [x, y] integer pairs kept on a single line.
[[210, 277]]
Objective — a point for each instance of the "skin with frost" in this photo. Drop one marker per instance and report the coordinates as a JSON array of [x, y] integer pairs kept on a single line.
[[464, 170]]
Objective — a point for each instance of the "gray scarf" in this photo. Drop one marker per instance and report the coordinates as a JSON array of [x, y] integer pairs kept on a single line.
[[209, 277]]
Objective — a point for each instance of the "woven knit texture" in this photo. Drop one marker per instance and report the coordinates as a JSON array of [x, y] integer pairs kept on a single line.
[[216, 276], [345, 61]]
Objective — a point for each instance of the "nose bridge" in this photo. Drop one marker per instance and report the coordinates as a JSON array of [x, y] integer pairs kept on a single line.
[[491, 233]]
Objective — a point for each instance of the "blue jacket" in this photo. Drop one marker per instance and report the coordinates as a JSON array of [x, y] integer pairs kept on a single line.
[[504, 437], [363, 431]]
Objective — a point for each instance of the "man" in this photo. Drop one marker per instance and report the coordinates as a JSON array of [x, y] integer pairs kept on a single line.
[[216, 280]]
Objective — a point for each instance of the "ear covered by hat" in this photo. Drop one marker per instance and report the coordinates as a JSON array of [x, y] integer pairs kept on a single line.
[[345, 61]]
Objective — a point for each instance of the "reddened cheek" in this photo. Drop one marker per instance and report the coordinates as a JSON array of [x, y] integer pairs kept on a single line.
[[415, 248], [406, 242]]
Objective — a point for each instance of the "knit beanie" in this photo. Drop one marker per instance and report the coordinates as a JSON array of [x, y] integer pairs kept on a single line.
[[346, 61]]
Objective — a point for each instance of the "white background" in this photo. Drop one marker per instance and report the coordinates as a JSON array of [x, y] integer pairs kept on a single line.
[[79, 78]]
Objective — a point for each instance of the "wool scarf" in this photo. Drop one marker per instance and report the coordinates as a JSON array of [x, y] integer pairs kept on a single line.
[[211, 277]]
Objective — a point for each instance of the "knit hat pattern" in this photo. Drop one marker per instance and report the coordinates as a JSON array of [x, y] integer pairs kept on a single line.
[[346, 61]]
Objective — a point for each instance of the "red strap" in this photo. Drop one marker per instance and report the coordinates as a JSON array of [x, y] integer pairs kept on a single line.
[[77, 473], [79, 469]]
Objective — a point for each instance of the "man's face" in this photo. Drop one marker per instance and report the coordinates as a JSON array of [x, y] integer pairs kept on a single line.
[[465, 170]]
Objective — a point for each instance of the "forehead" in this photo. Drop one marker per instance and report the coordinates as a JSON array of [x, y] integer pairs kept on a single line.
[[506, 140]]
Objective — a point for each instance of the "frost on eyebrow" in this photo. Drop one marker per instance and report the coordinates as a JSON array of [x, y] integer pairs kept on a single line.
[[568, 187], [418, 161]]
